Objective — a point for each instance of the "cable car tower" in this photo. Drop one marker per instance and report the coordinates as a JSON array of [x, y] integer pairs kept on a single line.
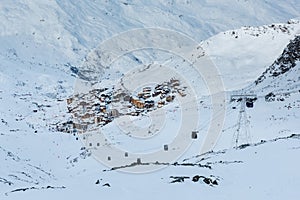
[[242, 133]]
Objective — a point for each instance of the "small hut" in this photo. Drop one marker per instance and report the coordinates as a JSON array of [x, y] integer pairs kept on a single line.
[[166, 147], [194, 134]]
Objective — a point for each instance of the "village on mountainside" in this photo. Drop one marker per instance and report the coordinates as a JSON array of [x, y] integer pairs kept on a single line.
[[99, 107]]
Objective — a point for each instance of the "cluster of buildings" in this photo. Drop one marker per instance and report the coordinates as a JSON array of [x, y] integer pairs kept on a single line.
[[155, 97], [99, 107]]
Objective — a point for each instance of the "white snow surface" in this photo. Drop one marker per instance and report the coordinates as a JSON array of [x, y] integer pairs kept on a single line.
[[40, 40]]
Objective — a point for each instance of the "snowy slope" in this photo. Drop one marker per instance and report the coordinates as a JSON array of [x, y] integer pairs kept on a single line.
[[276, 110], [66, 31], [41, 41], [249, 50]]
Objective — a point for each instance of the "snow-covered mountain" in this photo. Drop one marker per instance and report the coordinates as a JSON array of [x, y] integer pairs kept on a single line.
[[67, 30], [254, 45]]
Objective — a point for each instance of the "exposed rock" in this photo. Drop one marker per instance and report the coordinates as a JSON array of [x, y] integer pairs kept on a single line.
[[178, 179], [285, 62], [106, 185]]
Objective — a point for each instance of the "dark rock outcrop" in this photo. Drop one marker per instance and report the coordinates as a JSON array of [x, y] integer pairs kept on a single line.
[[288, 59]]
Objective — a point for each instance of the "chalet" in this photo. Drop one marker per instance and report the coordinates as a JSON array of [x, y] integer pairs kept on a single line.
[[149, 104], [159, 87], [140, 95], [114, 113], [174, 83], [71, 109], [102, 98], [134, 113], [83, 103], [118, 96], [180, 91], [166, 88], [146, 95], [80, 126], [107, 120], [98, 119], [65, 127], [75, 114], [102, 123], [88, 115], [170, 98], [102, 107], [126, 98], [162, 96], [156, 93], [137, 103], [160, 104], [69, 100], [96, 91], [147, 89]]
